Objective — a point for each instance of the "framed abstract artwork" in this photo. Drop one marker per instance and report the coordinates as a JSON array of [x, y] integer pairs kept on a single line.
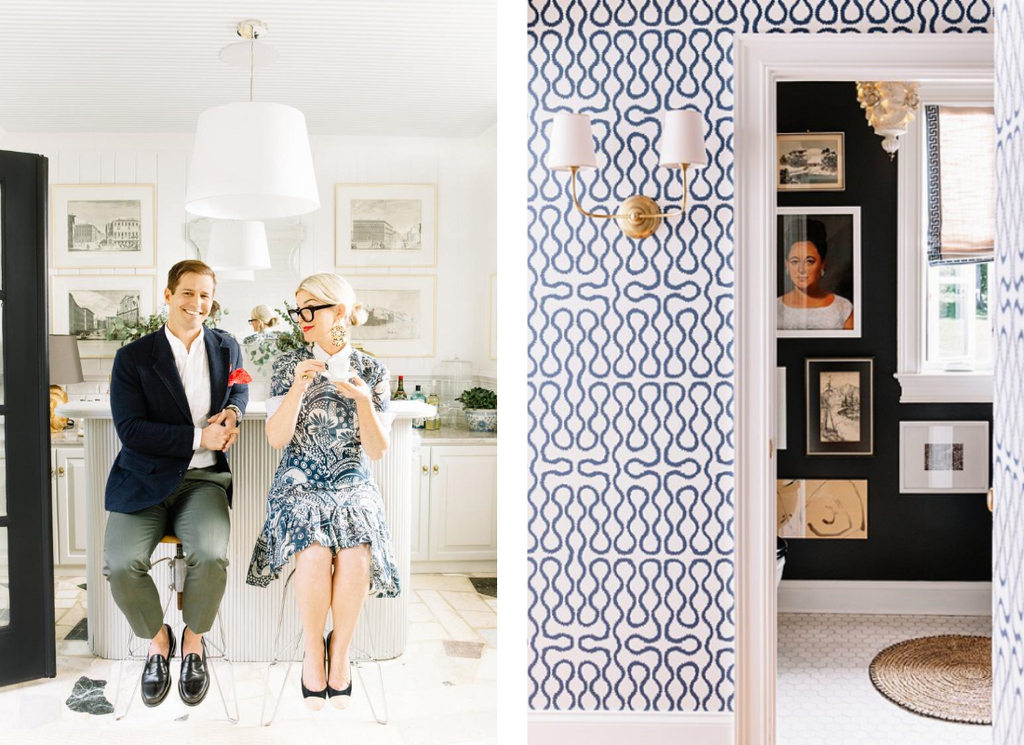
[[84, 305], [822, 508], [944, 457], [810, 161], [103, 226], [402, 312], [377, 225], [840, 419]]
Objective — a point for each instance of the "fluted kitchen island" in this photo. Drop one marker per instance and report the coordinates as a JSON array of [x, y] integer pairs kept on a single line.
[[249, 613]]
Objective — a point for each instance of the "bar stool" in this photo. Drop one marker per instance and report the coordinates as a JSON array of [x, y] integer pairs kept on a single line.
[[140, 653], [358, 660]]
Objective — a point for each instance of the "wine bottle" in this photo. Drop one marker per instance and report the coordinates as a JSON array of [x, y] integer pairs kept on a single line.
[[417, 395], [399, 394]]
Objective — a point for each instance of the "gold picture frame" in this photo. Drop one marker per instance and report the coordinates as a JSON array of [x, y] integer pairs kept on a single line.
[[804, 161]]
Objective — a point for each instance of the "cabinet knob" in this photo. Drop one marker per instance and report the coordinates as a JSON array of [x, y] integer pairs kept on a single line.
[[425, 470], [51, 473], [437, 468], [60, 471]]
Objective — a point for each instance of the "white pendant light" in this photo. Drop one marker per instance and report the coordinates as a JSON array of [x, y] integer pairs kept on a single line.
[[251, 161], [238, 245]]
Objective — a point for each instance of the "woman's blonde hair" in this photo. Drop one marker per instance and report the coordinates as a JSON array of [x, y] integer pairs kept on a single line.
[[330, 288], [265, 315]]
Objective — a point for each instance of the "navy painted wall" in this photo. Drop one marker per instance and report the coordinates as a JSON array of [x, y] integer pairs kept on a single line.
[[934, 537]]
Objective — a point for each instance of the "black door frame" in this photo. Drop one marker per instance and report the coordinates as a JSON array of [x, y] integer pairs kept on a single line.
[[27, 643]]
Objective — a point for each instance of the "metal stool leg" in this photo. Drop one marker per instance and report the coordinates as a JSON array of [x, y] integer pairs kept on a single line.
[[371, 661], [293, 646], [222, 656]]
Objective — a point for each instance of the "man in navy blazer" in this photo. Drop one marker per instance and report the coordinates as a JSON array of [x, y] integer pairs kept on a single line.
[[176, 412]]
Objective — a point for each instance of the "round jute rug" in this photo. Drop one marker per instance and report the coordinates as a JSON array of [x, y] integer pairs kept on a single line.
[[944, 677]]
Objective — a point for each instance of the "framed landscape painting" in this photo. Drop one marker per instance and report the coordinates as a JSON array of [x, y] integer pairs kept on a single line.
[[103, 226], [840, 406], [385, 225], [810, 161], [85, 305], [402, 314]]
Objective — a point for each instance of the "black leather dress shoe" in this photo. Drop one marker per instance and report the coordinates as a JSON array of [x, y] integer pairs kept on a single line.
[[194, 681], [156, 675]]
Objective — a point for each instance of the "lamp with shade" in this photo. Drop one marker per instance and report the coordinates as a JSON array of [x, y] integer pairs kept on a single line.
[[681, 146], [65, 368], [238, 246], [251, 160]]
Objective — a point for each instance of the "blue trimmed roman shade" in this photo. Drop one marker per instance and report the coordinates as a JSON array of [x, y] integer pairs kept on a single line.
[[960, 144]]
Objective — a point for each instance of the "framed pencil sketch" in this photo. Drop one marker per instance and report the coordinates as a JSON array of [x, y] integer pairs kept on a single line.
[[104, 226], [83, 305], [840, 406], [402, 312], [810, 161], [385, 225], [944, 457], [492, 337]]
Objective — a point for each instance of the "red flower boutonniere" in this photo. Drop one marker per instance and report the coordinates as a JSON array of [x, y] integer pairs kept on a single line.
[[239, 376]]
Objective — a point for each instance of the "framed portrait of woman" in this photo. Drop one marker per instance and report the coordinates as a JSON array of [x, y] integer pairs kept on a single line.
[[818, 272]]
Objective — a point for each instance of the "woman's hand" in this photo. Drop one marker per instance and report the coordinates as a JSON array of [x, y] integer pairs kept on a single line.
[[354, 388], [306, 372]]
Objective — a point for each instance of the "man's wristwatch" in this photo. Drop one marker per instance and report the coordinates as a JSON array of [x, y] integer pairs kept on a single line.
[[238, 412]]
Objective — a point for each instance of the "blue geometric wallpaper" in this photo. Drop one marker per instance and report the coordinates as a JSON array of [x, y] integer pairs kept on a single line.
[[631, 359], [1008, 402]]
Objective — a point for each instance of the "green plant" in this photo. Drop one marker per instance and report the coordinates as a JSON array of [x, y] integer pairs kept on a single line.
[[478, 398], [274, 345], [124, 332]]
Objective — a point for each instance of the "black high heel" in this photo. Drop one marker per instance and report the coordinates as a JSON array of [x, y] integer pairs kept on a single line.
[[314, 700], [340, 699]]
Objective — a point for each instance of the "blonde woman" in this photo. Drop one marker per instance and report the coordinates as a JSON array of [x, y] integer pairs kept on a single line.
[[262, 323], [324, 506]]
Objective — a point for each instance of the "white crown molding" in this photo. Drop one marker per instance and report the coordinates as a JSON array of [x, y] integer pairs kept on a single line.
[[615, 728], [896, 598], [951, 388]]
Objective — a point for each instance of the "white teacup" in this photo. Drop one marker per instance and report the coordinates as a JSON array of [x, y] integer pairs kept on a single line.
[[339, 368]]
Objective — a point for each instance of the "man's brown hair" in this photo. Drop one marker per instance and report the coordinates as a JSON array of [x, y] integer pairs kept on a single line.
[[189, 266]]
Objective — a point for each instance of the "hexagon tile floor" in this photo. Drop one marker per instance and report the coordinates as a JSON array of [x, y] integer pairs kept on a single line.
[[824, 694]]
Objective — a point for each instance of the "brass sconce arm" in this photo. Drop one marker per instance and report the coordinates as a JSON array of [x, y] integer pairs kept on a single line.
[[638, 216]]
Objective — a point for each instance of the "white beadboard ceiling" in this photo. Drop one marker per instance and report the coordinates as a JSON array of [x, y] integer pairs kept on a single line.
[[425, 68]]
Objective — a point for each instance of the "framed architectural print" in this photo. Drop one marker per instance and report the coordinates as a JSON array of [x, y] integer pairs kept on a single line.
[[402, 314], [840, 406], [822, 508], [385, 225], [104, 226], [84, 305], [944, 457], [492, 337], [818, 273], [810, 161]]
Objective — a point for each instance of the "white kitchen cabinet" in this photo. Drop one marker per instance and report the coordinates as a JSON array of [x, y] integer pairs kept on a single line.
[[455, 522], [67, 485]]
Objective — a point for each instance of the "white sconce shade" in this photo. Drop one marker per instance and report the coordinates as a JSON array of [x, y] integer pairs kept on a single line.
[[572, 143], [251, 161], [682, 140], [238, 245]]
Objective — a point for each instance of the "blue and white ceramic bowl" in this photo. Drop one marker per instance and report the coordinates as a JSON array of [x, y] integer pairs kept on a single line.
[[482, 420]]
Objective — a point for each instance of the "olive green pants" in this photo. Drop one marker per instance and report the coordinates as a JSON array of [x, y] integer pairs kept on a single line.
[[197, 513]]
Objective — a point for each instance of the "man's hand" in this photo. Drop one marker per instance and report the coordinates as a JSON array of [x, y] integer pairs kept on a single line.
[[221, 432]]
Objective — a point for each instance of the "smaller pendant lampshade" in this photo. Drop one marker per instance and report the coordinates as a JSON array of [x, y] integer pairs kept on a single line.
[[572, 143], [238, 245], [682, 140], [251, 161], [65, 364]]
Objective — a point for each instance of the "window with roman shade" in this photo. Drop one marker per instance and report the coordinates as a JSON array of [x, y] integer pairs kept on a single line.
[[960, 146]]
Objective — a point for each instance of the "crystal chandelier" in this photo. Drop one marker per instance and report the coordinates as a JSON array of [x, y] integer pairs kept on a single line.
[[889, 107]]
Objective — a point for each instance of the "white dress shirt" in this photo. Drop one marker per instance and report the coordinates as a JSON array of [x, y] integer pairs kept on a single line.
[[194, 370]]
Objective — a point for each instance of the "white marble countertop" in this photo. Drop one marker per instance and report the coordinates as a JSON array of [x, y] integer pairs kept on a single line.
[[255, 409], [456, 436]]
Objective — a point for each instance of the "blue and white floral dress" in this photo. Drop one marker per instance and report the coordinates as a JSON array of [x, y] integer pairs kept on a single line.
[[323, 491]]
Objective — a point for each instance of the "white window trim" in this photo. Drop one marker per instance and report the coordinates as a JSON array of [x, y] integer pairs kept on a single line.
[[918, 384]]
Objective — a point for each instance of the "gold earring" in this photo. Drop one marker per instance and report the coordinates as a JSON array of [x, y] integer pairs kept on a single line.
[[339, 336]]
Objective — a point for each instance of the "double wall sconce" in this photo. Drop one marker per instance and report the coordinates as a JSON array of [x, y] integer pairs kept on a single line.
[[681, 146], [889, 108]]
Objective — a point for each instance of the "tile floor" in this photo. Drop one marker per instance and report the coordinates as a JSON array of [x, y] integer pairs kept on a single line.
[[443, 690], [824, 694]]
